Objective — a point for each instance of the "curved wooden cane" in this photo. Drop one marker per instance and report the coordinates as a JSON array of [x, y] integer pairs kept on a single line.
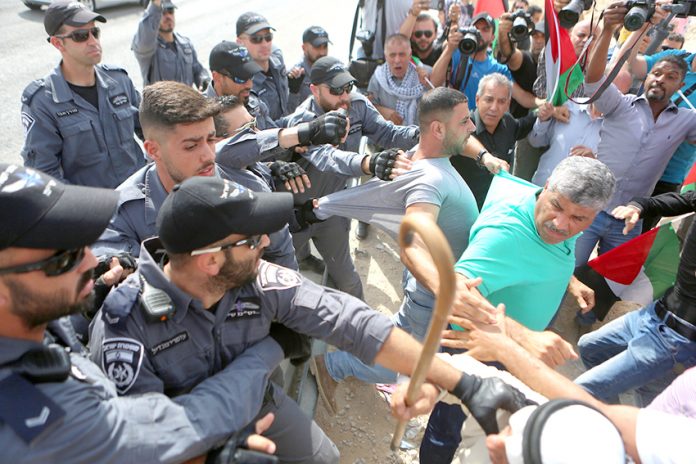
[[441, 253]]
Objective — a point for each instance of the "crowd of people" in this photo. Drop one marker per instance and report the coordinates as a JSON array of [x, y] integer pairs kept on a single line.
[[153, 243]]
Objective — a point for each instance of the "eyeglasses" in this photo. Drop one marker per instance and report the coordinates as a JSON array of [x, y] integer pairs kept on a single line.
[[251, 125], [81, 35], [252, 242], [419, 34], [257, 39], [338, 91], [237, 80], [60, 263]]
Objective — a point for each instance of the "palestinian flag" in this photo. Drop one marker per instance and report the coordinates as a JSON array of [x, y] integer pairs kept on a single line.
[[563, 75], [690, 180], [640, 270], [495, 8]]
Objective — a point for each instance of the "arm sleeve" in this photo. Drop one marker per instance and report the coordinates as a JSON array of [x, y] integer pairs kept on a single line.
[[612, 100], [43, 145], [121, 234], [489, 252], [199, 72], [667, 204], [244, 150], [540, 136], [145, 40], [385, 133], [373, 91], [327, 158], [525, 125]]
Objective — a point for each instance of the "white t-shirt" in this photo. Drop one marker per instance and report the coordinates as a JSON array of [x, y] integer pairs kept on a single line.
[[664, 438]]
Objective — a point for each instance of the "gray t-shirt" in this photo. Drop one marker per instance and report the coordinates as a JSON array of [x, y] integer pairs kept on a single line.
[[383, 204]]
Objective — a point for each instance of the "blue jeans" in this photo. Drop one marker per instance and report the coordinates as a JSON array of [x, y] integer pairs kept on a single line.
[[636, 351], [413, 317], [608, 231]]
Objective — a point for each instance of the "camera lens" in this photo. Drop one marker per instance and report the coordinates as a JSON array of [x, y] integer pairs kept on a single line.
[[468, 44], [635, 18], [570, 14], [519, 29]]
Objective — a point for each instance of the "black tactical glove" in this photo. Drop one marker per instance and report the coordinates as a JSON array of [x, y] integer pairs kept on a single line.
[[284, 171], [381, 163], [297, 347], [304, 216], [126, 260], [484, 396], [236, 450], [295, 83], [327, 128], [205, 82]]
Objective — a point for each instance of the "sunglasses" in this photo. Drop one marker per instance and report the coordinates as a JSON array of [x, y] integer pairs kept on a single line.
[[666, 47], [236, 80], [338, 91], [257, 39], [252, 242], [81, 35], [419, 34], [168, 11], [58, 264]]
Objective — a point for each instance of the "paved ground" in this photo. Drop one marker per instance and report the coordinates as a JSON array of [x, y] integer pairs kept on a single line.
[[26, 55]]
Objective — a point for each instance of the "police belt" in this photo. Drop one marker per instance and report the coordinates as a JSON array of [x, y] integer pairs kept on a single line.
[[675, 323]]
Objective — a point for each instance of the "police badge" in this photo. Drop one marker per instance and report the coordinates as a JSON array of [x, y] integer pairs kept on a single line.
[[121, 360]]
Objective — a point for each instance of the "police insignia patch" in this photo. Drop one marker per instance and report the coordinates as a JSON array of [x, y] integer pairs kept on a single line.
[[121, 360], [273, 277], [27, 122]]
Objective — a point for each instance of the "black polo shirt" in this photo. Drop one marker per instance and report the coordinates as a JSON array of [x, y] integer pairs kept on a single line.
[[500, 143]]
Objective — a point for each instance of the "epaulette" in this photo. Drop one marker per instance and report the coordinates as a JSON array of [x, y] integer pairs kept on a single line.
[[113, 67], [120, 302], [31, 90]]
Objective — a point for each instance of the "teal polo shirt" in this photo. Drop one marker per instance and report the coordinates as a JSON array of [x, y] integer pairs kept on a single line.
[[518, 268]]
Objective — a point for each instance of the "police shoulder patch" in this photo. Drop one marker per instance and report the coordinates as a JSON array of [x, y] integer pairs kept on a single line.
[[121, 360], [27, 122], [274, 277]]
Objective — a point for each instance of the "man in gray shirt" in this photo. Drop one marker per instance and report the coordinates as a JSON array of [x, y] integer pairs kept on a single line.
[[165, 55]]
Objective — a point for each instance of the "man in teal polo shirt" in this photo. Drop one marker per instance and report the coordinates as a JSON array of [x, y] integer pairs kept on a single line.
[[523, 248]]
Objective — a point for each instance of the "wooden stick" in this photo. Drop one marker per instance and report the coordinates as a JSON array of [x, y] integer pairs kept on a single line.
[[439, 249]]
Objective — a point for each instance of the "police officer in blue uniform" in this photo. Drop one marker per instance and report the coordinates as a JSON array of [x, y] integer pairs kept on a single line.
[[80, 121], [233, 72], [271, 84], [165, 55], [332, 87], [315, 44], [57, 406], [202, 296]]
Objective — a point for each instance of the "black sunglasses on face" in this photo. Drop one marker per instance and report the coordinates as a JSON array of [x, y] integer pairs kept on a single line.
[[338, 91], [419, 34], [60, 263], [81, 35], [252, 242], [257, 39]]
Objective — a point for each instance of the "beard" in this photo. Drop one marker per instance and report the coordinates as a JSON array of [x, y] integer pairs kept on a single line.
[[454, 146], [36, 308], [234, 274]]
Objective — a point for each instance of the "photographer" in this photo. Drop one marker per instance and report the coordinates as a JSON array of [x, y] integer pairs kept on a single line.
[[466, 59]]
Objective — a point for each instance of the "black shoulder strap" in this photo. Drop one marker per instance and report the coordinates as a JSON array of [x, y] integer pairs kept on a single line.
[[463, 73], [383, 5], [356, 17]]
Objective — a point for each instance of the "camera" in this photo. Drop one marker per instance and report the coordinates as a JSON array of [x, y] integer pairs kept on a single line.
[[570, 13], [682, 8], [472, 41], [522, 25], [367, 40], [639, 12]]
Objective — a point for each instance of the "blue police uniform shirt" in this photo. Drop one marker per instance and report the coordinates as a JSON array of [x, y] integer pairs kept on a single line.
[[70, 139], [476, 70], [162, 61], [684, 157], [272, 87]]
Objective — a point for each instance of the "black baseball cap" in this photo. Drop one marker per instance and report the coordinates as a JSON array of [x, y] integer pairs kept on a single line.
[[539, 27], [168, 5], [316, 36], [38, 211], [330, 70], [485, 16], [203, 210], [70, 12], [251, 23], [234, 60]]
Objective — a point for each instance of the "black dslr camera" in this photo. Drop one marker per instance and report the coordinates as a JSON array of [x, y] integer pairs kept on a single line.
[[367, 40], [522, 25], [639, 12], [570, 13], [472, 41]]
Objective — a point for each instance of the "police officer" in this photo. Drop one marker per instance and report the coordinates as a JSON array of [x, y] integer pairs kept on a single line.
[[180, 138], [165, 55], [331, 87], [60, 407], [80, 120], [204, 275], [233, 70], [315, 44], [271, 84]]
